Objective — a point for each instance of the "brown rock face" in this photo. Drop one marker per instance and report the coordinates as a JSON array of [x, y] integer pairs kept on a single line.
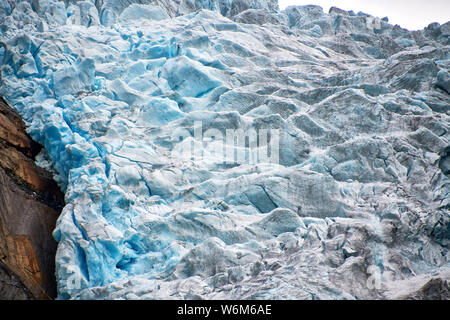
[[30, 203]]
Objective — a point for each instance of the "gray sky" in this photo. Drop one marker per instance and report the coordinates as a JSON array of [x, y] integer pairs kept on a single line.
[[409, 14]]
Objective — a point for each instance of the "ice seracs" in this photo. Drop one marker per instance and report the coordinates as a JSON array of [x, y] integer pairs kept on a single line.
[[356, 204]]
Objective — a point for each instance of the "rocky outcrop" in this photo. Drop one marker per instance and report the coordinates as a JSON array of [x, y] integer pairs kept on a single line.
[[30, 202]]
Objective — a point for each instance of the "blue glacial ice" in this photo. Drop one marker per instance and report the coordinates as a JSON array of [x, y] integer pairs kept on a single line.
[[115, 92]]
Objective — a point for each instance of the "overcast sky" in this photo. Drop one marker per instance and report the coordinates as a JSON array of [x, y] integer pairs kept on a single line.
[[409, 14]]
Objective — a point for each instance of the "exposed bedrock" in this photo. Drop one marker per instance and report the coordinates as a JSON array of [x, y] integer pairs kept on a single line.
[[30, 203]]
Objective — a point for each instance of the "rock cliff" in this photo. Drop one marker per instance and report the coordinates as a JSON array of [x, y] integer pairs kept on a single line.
[[30, 202]]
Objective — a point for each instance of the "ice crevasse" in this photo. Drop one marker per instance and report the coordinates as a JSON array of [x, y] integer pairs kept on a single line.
[[117, 92]]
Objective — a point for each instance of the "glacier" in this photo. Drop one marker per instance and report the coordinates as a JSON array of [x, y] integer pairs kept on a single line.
[[354, 206]]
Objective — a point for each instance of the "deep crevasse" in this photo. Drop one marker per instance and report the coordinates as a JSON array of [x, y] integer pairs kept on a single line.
[[362, 180]]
